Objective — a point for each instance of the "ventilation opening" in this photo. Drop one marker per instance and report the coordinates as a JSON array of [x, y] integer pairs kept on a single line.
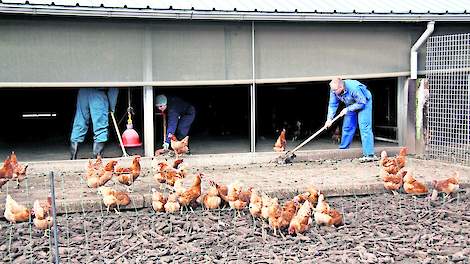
[[222, 123], [301, 109], [38, 126]]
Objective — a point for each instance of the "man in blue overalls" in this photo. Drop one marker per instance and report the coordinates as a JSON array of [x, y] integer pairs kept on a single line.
[[358, 100], [94, 103], [180, 116]]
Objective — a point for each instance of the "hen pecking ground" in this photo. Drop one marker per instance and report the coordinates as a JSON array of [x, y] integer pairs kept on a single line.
[[380, 228]]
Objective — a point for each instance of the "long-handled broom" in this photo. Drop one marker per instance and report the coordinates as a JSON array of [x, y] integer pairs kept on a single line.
[[289, 156], [116, 128], [124, 153]]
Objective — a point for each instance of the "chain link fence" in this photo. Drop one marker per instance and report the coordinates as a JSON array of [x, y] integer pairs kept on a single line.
[[448, 70]]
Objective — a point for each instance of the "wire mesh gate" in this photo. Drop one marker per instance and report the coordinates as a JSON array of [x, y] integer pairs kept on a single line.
[[448, 72]]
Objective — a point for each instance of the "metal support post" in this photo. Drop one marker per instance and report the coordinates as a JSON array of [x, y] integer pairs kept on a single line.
[[148, 96], [54, 219], [402, 97], [253, 93]]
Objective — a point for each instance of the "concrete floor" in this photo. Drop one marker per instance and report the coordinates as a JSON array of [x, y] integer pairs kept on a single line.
[[57, 150]]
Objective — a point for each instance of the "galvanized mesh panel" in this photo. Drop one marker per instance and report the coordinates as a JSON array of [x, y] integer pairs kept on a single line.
[[448, 69]]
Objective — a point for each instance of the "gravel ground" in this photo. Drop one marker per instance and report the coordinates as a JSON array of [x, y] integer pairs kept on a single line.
[[378, 229]]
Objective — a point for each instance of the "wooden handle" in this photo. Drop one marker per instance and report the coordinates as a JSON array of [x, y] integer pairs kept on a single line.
[[313, 136], [164, 127], [124, 153]]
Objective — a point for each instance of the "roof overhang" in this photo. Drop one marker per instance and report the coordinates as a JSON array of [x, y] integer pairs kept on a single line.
[[227, 15]]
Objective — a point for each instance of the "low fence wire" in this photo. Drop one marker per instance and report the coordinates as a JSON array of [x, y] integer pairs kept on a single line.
[[379, 228]]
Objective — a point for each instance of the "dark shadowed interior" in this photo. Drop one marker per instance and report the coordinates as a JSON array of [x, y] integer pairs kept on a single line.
[[222, 123]]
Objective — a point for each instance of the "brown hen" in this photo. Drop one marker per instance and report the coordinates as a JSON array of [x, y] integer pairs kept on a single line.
[[412, 186], [192, 193], [449, 185], [281, 142], [128, 175], [15, 212]]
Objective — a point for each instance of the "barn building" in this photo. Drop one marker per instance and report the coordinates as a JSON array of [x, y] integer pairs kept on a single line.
[[250, 67]]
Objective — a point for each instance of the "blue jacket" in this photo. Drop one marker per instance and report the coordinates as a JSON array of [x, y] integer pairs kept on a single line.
[[176, 107], [355, 96]]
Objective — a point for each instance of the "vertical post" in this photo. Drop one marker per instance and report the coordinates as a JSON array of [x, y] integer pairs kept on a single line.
[[421, 117], [148, 122], [402, 97], [468, 117], [253, 93], [148, 95], [410, 138], [54, 219]]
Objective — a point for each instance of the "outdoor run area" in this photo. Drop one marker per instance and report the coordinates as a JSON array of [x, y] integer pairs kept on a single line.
[[378, 226], [246, 131]]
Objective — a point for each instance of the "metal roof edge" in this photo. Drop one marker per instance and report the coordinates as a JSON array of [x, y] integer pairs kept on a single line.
[[227, 15]]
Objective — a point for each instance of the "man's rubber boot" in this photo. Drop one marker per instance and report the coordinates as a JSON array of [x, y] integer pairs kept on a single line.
[[73, 150], [98, 148], [368, 158]]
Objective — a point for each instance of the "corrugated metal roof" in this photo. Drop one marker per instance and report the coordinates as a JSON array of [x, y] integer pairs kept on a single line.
[[250, 9]]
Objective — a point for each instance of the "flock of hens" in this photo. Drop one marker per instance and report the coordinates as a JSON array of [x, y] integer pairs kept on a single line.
[[395, 176], [295, 215], [14, 212]]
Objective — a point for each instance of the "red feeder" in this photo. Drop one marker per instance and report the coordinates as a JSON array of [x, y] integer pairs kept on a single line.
[[130, 138]]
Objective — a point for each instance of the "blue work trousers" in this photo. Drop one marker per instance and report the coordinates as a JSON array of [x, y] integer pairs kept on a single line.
[[184, 123], [365, 127], [91, 102]]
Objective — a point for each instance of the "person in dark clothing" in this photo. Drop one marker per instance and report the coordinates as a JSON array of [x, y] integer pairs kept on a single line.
[[180, 115]]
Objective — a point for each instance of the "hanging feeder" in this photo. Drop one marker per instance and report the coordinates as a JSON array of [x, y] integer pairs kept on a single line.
[[130, 137]]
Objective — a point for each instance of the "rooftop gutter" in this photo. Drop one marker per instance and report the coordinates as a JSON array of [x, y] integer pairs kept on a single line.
[[226, 15]]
